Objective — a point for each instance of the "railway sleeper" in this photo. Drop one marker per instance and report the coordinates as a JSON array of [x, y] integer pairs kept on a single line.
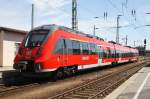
[[85, 94], [70, 98], [77, 97], [89, 89], [97, 88], [94, 86], [89, 92]]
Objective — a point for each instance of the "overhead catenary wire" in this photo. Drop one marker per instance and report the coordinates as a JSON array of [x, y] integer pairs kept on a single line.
[[118, 10]]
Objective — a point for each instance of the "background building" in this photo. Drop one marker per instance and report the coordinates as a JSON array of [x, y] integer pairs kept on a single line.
[[9, 43]]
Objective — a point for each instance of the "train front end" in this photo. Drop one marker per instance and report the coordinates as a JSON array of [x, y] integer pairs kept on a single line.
[[31, 54]]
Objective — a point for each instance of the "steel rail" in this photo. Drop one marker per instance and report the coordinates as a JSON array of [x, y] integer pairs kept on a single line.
[[90, 83]]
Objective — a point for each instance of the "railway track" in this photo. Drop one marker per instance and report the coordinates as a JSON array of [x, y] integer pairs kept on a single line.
[[5, 90], [67, 94], [100, 87]]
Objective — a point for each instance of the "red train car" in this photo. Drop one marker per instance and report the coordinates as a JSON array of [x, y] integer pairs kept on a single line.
[[55, 48]]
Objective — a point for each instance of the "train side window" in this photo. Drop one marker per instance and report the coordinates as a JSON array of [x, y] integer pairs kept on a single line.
[[121, 54], [93, 49], [105, 53], [125, 54], [117, 54], [76, 47], [96, 48], [69, 46], [113, 53], [109, 52], [59, 48], [100, 52], [85, 48]]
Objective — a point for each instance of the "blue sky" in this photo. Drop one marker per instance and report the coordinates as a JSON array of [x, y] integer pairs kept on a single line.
[[16, 14]]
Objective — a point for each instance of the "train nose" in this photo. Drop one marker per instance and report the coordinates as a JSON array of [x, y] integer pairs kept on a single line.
[[30, 53], [21, 65], [27, 66]]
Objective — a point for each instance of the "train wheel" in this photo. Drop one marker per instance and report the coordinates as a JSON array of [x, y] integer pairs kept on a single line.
[[112, 63], [59, 74], [70, 71], [74, 70], [67, 72]]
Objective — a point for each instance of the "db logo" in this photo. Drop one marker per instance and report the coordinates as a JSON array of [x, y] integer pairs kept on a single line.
[[85, 58]]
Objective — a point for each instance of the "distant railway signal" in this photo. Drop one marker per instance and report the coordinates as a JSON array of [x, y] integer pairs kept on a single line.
[[145, 41]]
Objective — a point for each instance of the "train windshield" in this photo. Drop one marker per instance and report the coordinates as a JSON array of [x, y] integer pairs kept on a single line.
[[36, 38]]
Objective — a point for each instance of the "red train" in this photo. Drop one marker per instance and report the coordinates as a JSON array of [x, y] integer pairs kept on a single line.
[[63, 51]]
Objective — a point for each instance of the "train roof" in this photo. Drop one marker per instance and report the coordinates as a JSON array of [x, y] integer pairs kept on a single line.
[[109, 43], [48, 27]]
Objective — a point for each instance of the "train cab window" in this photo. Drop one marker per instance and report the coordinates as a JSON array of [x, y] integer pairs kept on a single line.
[[36, 38], [85, 48], [76, 47], [59, 48]]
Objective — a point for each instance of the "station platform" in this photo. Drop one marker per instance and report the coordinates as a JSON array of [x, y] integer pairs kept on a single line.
[[136, 87], [5, 69]]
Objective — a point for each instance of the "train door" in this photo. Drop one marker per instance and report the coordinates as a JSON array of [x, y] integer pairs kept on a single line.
[[115, 54], [100, 55], [61, 51]]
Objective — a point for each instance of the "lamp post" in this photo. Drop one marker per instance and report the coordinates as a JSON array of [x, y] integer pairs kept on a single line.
[[94, 30], [32, 17], [117, 31]]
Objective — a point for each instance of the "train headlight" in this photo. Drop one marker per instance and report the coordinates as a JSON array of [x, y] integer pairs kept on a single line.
[[20, 51]]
